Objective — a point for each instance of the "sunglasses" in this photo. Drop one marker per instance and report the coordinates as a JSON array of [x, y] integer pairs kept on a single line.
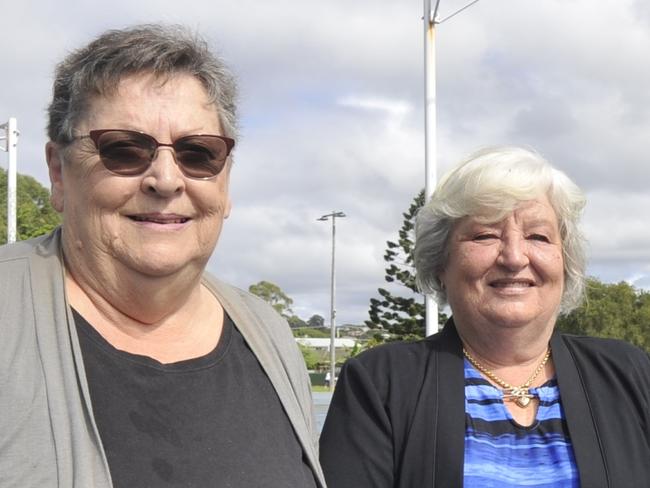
[[130, 153]]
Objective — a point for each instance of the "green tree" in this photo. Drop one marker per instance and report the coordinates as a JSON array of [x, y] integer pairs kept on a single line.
[[316, 321], [34, 214], [296, 322], [310, 332], [273, 294], [617, 310], [402, 314], [311, 357]]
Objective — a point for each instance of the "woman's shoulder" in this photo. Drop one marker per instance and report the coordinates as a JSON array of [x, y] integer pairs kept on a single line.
[[394, 363], [397, 352], [415, 351], [41, 245], [607, 351], [237, 297], [399, 376], [604, 346]]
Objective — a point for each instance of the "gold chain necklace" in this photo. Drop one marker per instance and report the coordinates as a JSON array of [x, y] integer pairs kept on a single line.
[[519, 394]]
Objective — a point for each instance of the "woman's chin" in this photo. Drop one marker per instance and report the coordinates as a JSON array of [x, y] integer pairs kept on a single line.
[[160, 265], [517, 315]]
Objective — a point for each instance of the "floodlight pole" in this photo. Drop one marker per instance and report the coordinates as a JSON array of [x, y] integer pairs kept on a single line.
[[11, 138], [430, 305], [334, 214]]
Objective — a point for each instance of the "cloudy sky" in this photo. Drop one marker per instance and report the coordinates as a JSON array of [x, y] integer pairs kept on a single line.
[[332, 118]]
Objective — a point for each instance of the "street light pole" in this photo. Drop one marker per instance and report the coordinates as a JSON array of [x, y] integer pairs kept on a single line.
[[430, 305], [11, 129], [333, 215], [431, 20]]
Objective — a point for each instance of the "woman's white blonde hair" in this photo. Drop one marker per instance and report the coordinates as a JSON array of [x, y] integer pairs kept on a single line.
[[488, 185]]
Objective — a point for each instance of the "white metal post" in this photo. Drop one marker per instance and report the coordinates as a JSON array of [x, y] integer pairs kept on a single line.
[[431, 307], [11, 128], [12, 147], [333, 308], [334, 214]]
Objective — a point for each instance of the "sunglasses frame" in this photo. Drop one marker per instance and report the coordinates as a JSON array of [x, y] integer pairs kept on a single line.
[[95, 135]]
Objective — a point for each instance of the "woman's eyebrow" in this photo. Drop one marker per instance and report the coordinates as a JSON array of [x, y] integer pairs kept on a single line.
[[540, 222]]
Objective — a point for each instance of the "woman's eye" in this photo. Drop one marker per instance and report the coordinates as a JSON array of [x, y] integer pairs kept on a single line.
[[539, 237], [485, 237]]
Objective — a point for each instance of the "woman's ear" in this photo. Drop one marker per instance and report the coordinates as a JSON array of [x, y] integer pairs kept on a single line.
[[55, 165]]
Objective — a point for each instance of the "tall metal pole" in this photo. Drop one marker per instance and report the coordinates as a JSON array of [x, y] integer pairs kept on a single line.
[[430, 19], [334, 214], [431, 307], [333, 308], [11, 127]]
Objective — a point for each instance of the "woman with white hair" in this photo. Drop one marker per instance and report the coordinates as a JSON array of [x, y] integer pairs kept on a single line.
[[498, 397]]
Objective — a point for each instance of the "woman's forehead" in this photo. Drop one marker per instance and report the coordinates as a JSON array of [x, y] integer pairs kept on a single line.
[[535, 212], [144, 100]]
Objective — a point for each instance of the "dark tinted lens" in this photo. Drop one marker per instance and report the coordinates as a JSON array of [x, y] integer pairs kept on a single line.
[[201, 156], [124, 152]]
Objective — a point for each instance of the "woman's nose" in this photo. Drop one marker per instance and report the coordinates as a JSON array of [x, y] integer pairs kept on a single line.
[[513, 253], [164, 177]]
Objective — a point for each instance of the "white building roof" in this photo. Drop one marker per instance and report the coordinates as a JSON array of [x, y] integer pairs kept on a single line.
[[324, 342]]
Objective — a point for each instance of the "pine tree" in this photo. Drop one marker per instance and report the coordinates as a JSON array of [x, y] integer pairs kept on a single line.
[[402, 316]]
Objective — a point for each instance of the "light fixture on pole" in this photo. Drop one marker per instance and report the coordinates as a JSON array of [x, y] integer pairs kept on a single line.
[[11, 138], [430, 21], [326, 217]]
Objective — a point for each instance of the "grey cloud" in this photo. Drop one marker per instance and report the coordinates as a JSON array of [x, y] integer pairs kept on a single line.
[[564, 77]]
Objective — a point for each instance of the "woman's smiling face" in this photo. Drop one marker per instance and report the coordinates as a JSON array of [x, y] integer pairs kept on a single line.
[[509, 273], [156, 223]]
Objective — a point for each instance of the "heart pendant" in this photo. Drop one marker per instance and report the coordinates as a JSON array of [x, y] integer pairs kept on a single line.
[[522, 401]]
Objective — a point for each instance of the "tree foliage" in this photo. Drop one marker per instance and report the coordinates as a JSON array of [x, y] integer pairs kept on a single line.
[[311, 332], [617, 311], [316, 321], [312, 358], [273, 294], [403, 315], [296, 322], [34, 214]]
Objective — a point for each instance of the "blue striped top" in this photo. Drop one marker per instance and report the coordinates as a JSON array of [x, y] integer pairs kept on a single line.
[[501, 453]]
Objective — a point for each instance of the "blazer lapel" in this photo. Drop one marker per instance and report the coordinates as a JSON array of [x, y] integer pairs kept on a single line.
[[450, 411], [584, 437], [433, 452]]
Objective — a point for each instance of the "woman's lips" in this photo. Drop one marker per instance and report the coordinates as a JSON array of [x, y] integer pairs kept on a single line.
[[512, 283], [160, 218]]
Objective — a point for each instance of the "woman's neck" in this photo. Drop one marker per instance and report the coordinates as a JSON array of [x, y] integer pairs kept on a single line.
[[505, 344], [510, 353], [505, 352], [168, 318]]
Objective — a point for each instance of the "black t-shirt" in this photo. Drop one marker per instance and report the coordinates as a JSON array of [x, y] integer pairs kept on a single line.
[[212, 421]]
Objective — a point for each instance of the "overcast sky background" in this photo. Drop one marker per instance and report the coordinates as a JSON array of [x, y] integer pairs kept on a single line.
[[332, 118]]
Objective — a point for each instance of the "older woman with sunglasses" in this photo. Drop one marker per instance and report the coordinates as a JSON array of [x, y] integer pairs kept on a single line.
[[498, 398], [122, 363]]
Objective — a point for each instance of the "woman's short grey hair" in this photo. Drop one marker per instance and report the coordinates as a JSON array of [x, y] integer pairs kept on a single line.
[[160, 50], [488, 185]]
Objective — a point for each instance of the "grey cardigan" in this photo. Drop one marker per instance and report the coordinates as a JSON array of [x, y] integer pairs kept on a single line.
[[48, 436]]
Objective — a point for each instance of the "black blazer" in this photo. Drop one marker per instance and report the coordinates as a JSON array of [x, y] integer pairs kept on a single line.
[[397, 417]]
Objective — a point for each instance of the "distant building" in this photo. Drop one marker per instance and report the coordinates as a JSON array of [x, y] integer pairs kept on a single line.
[[323, 343], [353, 330]]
